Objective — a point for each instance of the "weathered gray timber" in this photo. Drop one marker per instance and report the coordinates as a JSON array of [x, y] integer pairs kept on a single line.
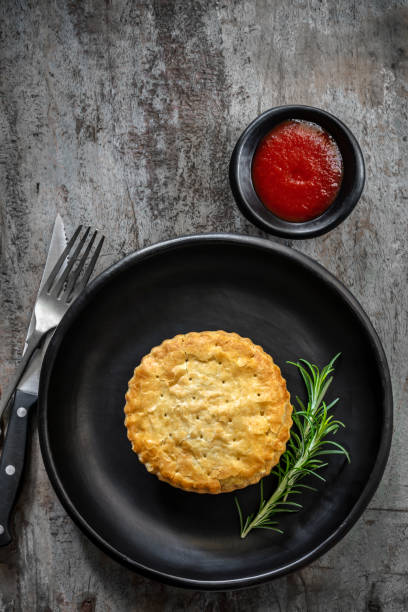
[[123, 115]]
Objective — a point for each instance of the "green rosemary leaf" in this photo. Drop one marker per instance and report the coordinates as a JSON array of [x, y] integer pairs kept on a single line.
[[271, 528], [332, 404], [300, 484], [340, 448], [305, 472], [308, 441], [241, 520]]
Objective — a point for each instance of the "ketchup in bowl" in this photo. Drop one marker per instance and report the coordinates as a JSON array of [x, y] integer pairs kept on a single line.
[[297, 170]]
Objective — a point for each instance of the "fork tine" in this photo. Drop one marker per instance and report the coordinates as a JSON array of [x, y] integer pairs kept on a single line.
[[90, 267], [74, 277], [60, 284], [61, 260]]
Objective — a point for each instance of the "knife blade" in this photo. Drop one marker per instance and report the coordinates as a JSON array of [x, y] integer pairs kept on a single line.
[[14, 449], [57, 245]]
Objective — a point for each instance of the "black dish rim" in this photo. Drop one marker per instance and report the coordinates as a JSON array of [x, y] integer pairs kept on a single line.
[[93, 288], [272, 224]]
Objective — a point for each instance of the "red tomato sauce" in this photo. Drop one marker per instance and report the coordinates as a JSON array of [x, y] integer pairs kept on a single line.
[[297, 170]]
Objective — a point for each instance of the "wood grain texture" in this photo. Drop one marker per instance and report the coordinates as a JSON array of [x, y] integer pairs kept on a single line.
[[123, 115]]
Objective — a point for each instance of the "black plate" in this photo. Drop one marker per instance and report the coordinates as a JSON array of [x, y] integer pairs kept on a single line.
[[280, 299]]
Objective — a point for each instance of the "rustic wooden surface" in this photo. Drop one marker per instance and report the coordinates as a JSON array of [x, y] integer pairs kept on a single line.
[[123, 115]]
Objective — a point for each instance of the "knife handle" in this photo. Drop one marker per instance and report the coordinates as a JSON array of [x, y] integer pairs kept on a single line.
[[31, 344], [13, 458]]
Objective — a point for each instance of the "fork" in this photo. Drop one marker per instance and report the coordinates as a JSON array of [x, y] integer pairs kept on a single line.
[[59, 291]]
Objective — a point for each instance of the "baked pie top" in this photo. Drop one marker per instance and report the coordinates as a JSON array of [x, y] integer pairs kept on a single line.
[[208, 412]]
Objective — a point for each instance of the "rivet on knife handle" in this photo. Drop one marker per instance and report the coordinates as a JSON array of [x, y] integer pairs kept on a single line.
[[12, 459]]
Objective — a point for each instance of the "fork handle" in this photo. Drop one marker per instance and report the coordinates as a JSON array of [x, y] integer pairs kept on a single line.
[[32, 344], [13, 459]]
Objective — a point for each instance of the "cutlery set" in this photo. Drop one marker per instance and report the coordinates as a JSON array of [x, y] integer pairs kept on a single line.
[[66, 273]]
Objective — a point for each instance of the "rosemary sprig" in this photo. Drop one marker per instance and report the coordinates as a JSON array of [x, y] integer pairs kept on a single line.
[[305, 446]]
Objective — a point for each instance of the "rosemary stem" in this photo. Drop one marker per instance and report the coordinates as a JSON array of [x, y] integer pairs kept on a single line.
[[278, 492], [267, 506], [285, 483]]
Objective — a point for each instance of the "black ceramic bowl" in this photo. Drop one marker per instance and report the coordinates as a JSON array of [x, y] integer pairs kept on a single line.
[[241, 176]]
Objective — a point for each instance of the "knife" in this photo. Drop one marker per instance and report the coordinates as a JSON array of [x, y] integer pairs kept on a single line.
[[14, 448]]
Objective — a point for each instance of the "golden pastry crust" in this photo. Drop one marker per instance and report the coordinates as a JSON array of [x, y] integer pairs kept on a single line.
[[208, 412]]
